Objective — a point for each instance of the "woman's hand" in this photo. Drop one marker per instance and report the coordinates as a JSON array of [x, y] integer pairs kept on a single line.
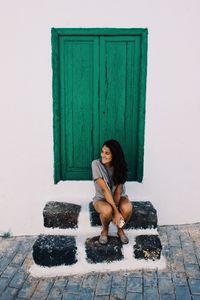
[[117, 217]]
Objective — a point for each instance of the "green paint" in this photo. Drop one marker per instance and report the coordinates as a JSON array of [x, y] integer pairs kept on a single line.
[[99, 88]]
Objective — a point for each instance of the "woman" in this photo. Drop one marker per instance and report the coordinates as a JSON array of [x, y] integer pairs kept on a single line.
[[110, 201]]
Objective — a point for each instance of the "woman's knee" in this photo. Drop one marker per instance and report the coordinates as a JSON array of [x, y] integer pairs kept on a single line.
[[107, 211], [126, 207], [103, 208]]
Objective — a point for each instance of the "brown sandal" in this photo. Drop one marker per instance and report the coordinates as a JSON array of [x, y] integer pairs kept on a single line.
[[123, 238], [103, 239]]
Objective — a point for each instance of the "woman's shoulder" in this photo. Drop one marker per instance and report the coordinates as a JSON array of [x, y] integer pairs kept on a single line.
[[96, 162]]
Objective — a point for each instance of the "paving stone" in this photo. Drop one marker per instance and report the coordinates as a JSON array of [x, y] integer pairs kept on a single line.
[[195, 297], [179, 279], [4, 262], [173, 237], [18, 279], [194, 286], [144, 216], [134, 296], [189, 256], [97, 252], [60, 282], [150, 280], [43, 289], [52, 250], [197, 252], [28, 288], [86, 293], [177, 267], [134, 284], [9, 294], [135, 273], [27, 262], [147, 247], [19, 259], [117, 292], [165, 249], [101, 298], [192, 271], [167, 297], [90, 280], [165, 286], [176, 254], [164, 274], [74, 285], [151, 293], [182, 293], [9, 271], [119, 280], [3, 284], [55, 294], [61, 214], [103, 287], [70, 296]]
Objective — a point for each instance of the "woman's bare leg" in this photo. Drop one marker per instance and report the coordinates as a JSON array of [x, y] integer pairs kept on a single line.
[[106, 212], [126, 209]]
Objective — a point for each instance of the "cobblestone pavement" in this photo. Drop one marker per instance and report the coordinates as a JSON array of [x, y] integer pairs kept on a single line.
[[180, 280]]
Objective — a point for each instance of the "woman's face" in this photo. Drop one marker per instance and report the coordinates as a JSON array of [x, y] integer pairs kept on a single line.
[[106, 155]]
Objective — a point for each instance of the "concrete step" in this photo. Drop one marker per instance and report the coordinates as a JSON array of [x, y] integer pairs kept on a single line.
[[85, 249], [66, 215], [56, 250], [144, 216]]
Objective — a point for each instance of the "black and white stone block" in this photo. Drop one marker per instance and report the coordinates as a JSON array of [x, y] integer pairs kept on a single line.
[[144, 216], [98, 253], [94, 216], [54, 250], [61, 214], [147, 247]]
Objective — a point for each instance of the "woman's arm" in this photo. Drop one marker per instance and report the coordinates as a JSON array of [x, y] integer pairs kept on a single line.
[[109, 198], [117, 194]]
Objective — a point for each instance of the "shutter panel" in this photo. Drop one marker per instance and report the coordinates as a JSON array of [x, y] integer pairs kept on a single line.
[[79, 73], [119, 94]]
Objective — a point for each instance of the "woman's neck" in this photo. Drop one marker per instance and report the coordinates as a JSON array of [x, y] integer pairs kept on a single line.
[[108, 165]]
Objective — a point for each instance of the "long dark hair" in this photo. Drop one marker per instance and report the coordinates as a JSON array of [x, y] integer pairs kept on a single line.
[[118, 161]]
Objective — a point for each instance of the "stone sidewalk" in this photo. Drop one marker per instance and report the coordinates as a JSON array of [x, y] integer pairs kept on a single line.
[[180, 280]]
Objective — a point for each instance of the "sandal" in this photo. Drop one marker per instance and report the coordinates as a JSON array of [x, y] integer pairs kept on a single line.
[[123, 238], [103, 239]]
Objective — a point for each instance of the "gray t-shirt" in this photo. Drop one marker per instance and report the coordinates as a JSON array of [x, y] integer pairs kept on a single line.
[[100, 171]]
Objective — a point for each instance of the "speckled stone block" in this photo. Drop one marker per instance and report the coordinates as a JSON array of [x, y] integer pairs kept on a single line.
[[61, 214], [147, 247], [54, 250], [97, 253], [144, 216]]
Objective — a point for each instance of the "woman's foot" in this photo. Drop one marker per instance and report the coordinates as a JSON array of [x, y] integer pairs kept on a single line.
[[103, 239], [123, 238]]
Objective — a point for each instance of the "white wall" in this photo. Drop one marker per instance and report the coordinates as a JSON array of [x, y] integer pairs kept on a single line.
[[172, 147]]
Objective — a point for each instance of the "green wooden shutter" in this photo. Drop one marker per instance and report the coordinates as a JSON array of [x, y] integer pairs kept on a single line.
[[99, 84], [79, 74], [119, 91]]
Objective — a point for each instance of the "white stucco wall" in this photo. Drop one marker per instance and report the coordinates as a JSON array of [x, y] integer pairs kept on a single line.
[[172, 145]]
